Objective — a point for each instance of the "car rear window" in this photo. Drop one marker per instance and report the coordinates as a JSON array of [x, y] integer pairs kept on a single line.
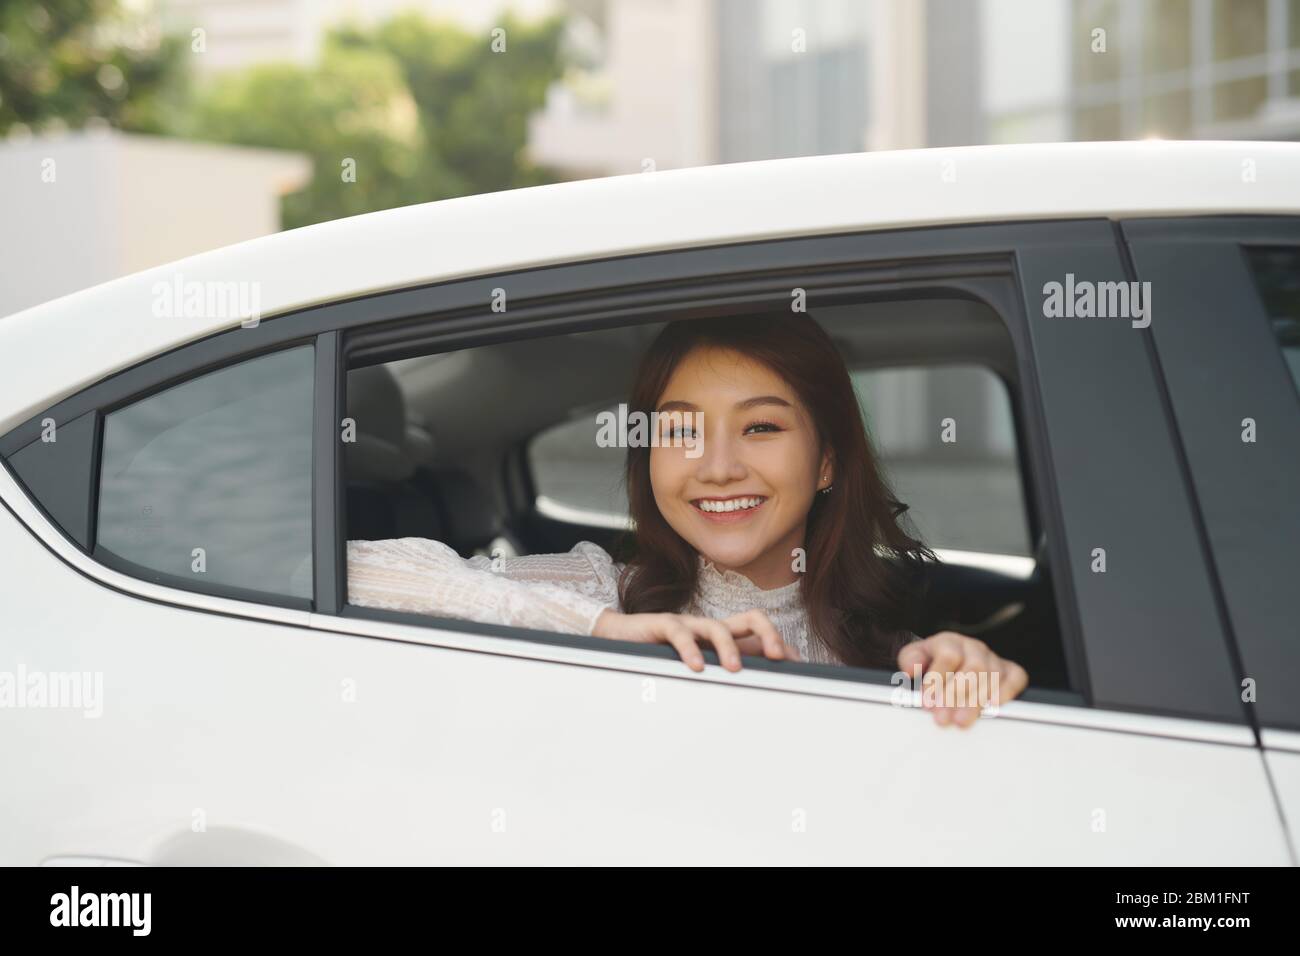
[[210, 481]]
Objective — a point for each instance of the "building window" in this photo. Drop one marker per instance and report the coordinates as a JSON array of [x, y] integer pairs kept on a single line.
[[1239, 29]]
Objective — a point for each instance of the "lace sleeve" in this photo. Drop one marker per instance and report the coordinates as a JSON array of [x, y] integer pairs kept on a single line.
[[587, 569], [550, 592]]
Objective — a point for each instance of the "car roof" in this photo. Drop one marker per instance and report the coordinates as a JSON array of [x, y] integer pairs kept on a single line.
[[52, 350]]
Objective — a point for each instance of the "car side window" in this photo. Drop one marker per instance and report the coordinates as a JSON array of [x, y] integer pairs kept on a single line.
[[962, 484], [947, 442], [1277, 275], [210, 481], [573, 473]]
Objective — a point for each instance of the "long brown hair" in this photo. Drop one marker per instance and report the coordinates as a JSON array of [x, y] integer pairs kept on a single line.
[[858, 586]]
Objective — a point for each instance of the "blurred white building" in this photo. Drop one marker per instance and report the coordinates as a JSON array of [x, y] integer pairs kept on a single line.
[[646, 97], [1175, 69], [693, 82], [83, 208]]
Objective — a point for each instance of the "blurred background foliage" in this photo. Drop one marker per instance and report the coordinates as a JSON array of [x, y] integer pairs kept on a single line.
[[64, 63], [424, 110]]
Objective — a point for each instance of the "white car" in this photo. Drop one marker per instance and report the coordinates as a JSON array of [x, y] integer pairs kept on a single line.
[[183, 681]]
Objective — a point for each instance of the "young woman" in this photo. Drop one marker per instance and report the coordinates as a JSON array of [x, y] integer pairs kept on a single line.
[[767, 530]]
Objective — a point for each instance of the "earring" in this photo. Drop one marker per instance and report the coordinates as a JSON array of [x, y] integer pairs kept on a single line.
[[827, 489]]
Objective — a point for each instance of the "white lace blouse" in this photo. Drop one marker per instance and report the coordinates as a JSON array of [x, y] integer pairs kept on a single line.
[[549, 592]]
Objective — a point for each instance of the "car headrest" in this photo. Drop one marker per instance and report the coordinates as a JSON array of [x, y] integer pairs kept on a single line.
[[376, 404], [472, 521], [419, 442]]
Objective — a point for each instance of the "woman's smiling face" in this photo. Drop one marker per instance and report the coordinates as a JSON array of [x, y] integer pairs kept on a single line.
[[741, 496]]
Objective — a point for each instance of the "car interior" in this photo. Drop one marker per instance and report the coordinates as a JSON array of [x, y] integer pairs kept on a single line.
[[447, 447]]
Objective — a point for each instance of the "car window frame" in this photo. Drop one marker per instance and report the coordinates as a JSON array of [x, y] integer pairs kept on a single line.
[[1252, 579], [999, 263], [939, 260]]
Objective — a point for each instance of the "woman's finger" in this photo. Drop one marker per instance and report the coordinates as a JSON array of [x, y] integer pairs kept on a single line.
[[946, 653], [978, 662], [945, 656], [683, 640], [773, 644], [757, 623], [751, 645], [717, 634], [939, 656], [914, 658], [1012, 680], [914, 661], [953, 667]]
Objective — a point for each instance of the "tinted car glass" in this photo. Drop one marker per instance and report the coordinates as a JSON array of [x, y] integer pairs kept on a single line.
[[211, 480], [1277, 274]]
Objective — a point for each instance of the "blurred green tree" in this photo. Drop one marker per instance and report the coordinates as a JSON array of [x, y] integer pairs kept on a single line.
[[474, 91], [66, 62], [351, 114], [409, 111]]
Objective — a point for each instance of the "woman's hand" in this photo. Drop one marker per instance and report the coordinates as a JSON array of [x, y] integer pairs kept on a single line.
[[943, 658], [748, 633]]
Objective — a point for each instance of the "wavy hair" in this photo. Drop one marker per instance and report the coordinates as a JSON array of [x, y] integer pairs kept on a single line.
[[862, 566]]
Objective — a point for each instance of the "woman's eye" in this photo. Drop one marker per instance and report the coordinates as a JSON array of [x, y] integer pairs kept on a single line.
[[759, 427], [679, 433]]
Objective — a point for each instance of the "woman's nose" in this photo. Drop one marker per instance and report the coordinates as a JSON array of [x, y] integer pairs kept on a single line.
[[720, 461]]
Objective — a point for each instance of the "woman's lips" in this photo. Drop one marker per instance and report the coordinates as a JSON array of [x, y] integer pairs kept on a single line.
[[741, 507]]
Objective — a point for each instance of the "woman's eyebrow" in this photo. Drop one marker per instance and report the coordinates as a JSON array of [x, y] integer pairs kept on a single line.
[[763, 400], [676, 406]]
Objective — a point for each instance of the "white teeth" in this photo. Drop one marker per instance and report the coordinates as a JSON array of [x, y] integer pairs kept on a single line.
[[733, 504]]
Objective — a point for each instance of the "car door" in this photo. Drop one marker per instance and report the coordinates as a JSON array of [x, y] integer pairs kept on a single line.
[[241, 720], [1229, 347]]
